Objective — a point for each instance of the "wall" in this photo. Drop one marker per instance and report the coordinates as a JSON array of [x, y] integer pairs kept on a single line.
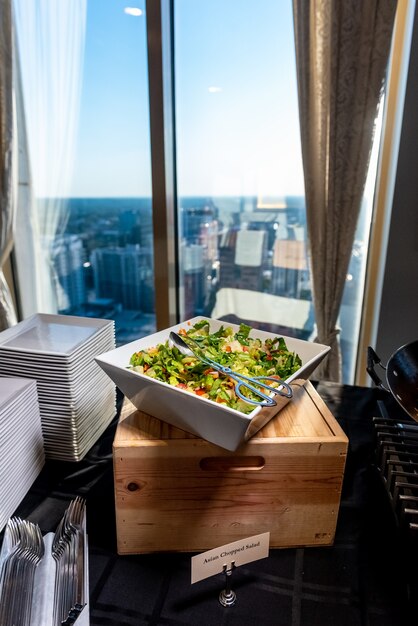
[[398, 321]]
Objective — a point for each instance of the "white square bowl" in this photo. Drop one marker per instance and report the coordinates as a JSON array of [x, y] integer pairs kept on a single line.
[[209, 420]]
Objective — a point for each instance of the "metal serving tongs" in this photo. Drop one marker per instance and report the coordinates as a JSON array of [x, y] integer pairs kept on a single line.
[[248, 382]]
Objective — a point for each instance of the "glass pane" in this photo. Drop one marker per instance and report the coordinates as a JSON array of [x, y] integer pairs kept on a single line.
[[242, 217], [87, 120], [352, 302], [240, 178]]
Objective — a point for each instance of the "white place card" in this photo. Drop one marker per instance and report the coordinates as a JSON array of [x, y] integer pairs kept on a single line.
[[240, 552]]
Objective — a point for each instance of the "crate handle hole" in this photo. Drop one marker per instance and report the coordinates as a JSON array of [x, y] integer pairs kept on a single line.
[[232, 464]]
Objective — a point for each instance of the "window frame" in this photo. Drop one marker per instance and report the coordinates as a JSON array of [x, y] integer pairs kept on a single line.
[[160, 44]]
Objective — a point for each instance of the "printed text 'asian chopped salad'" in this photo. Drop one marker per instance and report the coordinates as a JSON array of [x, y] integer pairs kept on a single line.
[[242, 353]]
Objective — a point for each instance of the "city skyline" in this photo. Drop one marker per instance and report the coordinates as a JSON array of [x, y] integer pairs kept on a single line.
[[107, 224], [108, 241]]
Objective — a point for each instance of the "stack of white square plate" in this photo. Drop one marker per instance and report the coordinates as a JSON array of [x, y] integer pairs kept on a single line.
[[21, 444], [76, 398]]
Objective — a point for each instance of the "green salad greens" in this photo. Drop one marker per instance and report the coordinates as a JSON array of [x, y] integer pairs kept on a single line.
[[242, 353]]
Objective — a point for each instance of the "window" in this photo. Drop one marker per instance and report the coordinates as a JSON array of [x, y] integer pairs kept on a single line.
[[87, 119], [243, 235], [240, 177], [242, 245]]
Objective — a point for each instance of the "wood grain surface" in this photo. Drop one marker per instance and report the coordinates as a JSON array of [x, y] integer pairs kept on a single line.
[[176, 492]]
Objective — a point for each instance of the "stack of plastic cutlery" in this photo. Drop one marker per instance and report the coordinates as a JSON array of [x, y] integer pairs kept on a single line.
[[69, 552], [22, 552], [44, 580]]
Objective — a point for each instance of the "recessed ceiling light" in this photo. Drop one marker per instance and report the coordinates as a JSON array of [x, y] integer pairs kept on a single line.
[[133, 11]]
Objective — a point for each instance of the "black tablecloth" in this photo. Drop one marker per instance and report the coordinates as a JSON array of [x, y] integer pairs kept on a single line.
[[362, 580]]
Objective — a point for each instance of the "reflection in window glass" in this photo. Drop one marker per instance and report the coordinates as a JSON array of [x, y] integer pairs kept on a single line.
[[240, 179], [243, 248]]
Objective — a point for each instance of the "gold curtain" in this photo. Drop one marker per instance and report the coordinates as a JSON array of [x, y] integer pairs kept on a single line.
[[7, 158], [342, 50]]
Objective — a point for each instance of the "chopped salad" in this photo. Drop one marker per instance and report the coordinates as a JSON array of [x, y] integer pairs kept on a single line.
[[237, 350]]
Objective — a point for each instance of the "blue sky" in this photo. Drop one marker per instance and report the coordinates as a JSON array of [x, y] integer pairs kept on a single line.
[[236, 102]]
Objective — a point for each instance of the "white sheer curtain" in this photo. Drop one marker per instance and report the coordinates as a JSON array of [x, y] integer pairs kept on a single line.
[[50, 37], [7, 159]]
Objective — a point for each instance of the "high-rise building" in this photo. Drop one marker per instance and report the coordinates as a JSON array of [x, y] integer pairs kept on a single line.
[[194, 279], [199, 253], [68, 258], [195, 218], [119, 273]]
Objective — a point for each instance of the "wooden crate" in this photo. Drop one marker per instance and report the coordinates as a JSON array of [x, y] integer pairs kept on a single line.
[[176, 492]]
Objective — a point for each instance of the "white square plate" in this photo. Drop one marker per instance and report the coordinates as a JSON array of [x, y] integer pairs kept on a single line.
[[55, 335]]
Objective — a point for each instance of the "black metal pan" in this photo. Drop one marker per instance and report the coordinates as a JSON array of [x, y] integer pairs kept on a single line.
[[401, 376]]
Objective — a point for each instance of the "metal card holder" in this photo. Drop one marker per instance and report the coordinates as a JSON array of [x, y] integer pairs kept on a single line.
[[227, 596]]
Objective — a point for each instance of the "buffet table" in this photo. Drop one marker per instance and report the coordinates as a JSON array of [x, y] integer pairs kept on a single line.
[[362, 579]]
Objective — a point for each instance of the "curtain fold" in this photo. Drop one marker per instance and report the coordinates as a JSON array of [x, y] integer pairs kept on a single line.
[[342, 50], [7, 159], [50, 46]]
